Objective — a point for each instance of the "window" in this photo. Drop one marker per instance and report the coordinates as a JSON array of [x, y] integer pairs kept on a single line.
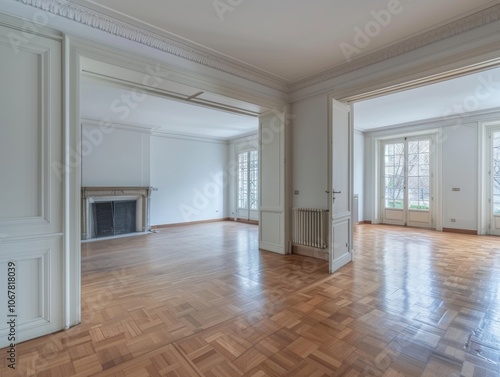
[[496, 171], [248, 180], [407, 181]]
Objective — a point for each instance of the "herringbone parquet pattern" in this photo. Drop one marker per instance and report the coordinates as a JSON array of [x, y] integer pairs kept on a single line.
[[204, 301]]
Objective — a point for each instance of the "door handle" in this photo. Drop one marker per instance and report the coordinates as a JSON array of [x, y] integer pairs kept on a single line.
[[337, 192]]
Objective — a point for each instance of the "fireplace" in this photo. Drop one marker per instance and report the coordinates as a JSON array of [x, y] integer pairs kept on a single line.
[[114, 211]]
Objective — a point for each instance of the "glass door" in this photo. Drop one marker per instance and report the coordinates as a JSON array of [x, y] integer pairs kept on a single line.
[[495, 183], [407, 182]]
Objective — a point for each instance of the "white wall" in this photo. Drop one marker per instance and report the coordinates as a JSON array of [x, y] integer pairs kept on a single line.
[[189, 175], [359, 165], [186, 172], [459, 167], [237, 146], [114, 156], [460, 170], [310, 152]]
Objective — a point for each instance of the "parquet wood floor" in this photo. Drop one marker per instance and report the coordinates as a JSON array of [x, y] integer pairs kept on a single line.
[[204, 301]]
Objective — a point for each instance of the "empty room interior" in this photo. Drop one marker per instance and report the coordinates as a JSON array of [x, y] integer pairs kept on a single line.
[[233, 188]]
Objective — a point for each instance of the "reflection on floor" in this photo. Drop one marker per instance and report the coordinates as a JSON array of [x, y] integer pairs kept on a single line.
[[204, 301]]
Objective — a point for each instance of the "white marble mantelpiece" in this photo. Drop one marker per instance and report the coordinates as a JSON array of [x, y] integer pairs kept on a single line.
[[91, 195]]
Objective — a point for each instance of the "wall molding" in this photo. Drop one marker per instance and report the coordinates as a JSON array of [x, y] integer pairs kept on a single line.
[[449, 30], [113, 26], [165, 226], [460, 231], [150, 130]]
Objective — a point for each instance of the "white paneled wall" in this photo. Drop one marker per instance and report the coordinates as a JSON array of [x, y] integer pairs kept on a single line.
[[32, 175], [310, 152]]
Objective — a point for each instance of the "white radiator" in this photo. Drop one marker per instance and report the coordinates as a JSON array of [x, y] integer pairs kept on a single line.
[[310, 227]]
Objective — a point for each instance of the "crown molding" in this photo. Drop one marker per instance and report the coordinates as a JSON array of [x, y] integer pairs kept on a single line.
[[454, 28], [113, 26]]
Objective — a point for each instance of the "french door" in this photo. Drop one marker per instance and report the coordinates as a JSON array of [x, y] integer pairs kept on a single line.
[[406, 169], [494, 202], [248, 185]]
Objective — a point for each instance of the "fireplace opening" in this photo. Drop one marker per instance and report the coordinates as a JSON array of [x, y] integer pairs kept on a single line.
[[114, 218]]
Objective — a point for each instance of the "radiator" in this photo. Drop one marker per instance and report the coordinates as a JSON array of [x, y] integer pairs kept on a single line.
[[310, 227]]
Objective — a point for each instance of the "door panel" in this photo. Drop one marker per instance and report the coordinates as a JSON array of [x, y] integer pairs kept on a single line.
[[272, 182], [341, 186], [31, 200]]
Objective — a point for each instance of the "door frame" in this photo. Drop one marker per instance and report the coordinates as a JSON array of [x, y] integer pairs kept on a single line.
[[377, 142], [484, 178], [75, 50], [433, 177]]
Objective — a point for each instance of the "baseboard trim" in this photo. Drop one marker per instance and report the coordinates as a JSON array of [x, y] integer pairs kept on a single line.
[[253, 222], [460, 231], [163, 226], [364, 222]]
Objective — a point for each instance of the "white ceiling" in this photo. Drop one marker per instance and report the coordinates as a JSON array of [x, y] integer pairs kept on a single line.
[[479, 91], [101, 100], [290, 39]]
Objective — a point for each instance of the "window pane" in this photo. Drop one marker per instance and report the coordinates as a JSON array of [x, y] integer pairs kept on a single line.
[[243, 180], [394, 175], [254, 179], [248, 180], [496, 172]]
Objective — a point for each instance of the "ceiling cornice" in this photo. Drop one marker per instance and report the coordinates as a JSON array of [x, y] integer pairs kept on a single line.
[[116, 27], [462, 25], [113, 26]]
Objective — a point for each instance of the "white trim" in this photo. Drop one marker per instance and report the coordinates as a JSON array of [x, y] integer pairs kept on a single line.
[[135, 127], [436, 174], [96, 20], [201, 55], [484, 178], [72, 141], [340, 262], [180, 136], [449, 120]]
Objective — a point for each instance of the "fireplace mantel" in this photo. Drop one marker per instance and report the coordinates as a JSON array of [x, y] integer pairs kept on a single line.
[[91, 195]]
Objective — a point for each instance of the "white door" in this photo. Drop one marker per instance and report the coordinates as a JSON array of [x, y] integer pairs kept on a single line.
[[407, 181], [272, 210], [31, 187], [340, 190], [494, 201]]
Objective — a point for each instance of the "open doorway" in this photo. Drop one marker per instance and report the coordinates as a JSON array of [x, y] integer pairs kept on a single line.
[[186, 157], [420, 155]]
